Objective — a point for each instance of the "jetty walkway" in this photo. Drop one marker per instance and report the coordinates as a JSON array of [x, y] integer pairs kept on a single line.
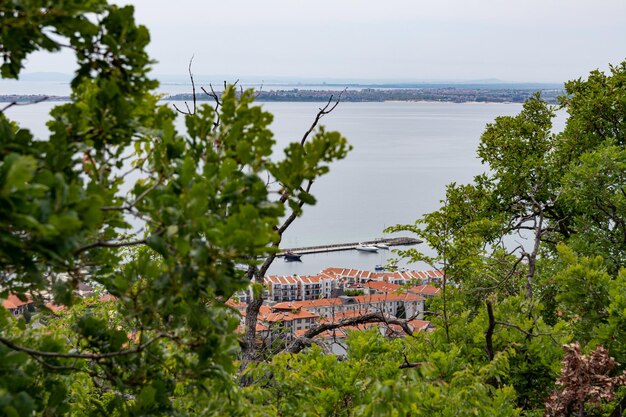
[[395, 241]]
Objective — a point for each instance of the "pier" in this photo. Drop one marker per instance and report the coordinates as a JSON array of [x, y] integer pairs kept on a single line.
[[395, 241]]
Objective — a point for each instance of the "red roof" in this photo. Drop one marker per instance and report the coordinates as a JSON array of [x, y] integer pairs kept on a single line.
[[378, 276], [107, 297], [282, 279], [263, 311], [425, 290], [296, 314], [419, 325], [12, 302], [383, 286], [238, 305], [375, 298], [55, 308]]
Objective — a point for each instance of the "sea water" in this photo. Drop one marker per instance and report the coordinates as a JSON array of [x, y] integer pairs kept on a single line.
[[404, 154]]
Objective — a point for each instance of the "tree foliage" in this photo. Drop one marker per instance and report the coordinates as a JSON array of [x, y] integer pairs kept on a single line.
[[537, 242], [532, 252], [159, 219]]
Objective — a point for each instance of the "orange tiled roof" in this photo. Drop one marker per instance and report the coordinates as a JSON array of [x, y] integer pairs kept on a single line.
[[425, 290], [238, 305], [107, 297], [312, 279], [296, 314], [55, 308], [13, 302], [419, 325], [280, 279], [374, 298], [384, 276], [263, 311], [383, 286], [295, 279]]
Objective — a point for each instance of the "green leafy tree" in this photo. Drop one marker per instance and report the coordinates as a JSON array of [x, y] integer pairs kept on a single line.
[[168, 250], [559, 197]]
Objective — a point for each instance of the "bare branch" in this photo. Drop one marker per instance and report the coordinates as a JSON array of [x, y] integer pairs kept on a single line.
[[323, 111], [193, 84], [193, 93], [259, 90], [218, 103], [377, 317], [26, 103], [109, 244]]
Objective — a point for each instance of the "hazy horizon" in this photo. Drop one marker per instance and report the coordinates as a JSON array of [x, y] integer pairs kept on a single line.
[[399, 40], [183, 78]]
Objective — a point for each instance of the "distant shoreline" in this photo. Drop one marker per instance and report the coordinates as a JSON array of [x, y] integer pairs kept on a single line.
[[454, 102], [410, 95]]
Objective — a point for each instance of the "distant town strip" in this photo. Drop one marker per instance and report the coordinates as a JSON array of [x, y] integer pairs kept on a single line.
[[443, 94]]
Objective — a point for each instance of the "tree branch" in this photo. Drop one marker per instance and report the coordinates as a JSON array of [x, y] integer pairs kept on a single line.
[[305, 340], [193, 93], [323, 111], [89, 356], [15, 103], [109, 244]]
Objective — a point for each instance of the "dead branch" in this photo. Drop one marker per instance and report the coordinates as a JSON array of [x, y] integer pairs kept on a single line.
[[218, 103], [26, 103], [260, 90], [193, 93], [406, 364], [305, 340], [323, 111]]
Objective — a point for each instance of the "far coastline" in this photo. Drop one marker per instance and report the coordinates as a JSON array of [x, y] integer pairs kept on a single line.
[[447, 94]]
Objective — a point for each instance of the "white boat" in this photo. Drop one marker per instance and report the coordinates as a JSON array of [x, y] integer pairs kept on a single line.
[[381, 246], [366, 248]]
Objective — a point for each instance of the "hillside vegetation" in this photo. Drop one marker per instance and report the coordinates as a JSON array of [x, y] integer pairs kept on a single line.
[[531, 319]]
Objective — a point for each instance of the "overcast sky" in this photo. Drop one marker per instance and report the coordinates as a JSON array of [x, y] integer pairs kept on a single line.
[[416, 40]]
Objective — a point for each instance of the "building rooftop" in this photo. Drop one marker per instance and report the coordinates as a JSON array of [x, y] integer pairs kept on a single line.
[[13, 302]]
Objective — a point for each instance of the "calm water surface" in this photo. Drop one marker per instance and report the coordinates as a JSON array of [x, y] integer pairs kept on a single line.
[[404, 155]]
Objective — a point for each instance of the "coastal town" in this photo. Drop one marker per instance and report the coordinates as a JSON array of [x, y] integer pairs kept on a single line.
[[359, 94], [296, 304]]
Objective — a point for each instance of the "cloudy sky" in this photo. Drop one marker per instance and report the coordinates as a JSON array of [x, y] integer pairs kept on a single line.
[[403, 40]]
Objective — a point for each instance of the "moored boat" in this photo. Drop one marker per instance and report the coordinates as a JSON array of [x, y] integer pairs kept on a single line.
[[291, 256], [366, 248]]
